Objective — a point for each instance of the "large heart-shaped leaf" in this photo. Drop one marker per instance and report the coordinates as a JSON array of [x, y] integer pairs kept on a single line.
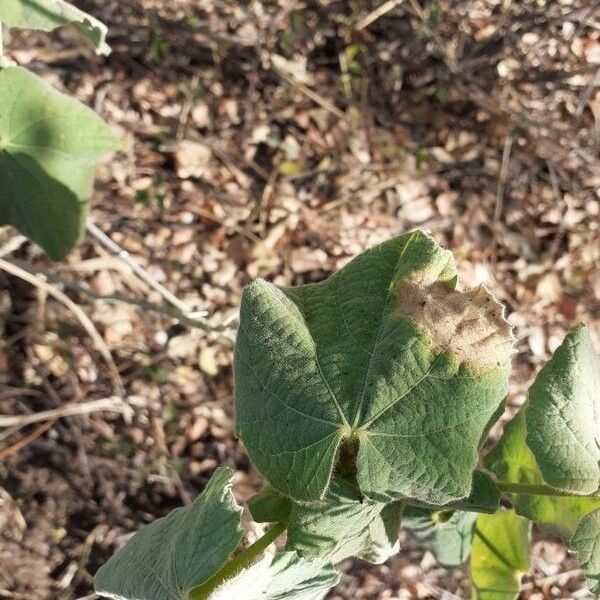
[[386, 363], [563, 416], [586, 542], [513, 462], [287, 577], [343, 524], [47, 15], [167, 559], [49, 147], [499, 555]]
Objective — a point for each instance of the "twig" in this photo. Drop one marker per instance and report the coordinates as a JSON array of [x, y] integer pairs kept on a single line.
[[113, 404], [502, 177], [377, 13], [85, 321], [14, 243], [168, 296], [23, 442]]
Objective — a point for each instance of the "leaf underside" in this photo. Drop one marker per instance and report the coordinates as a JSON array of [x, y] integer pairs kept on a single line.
[[563, 416], [499, 556], [448, 540], [47, 15], [385, 357], [287, 577], [49, 147], [166, 559], [343, 525]]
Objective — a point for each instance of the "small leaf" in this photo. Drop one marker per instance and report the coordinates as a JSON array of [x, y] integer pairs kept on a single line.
[[168, 558], [512, 461], [268, 506], [387, 358], [287, 577], [342, 525], [447, 534], [47, 15], [586, 542], [563, 416], [49, 147], [500, 555]]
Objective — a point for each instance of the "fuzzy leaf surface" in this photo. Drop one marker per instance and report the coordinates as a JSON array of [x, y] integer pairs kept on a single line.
[[512, 461], [448, 539], [166, 559], [386, 358], [343, 525], [47, 15], [499, 556], [287, 577], [49, 147], [586, 542], [563, 416]]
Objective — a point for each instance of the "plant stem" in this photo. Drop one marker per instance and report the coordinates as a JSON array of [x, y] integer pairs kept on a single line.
[[532, 489], [235, 565]]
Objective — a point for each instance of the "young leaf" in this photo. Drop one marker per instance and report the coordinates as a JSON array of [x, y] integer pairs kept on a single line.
[[512, 461], [49, 147], [499, 556], [387, 359], [563, 416], [287, 577], [343, 525], [447, 534], [586, 542], [169, 557], [47, 15]]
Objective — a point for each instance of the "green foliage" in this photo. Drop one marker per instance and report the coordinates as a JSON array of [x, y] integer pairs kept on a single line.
[[447, 534], [563, 416], [364, 401], [385, 362], [513, 462], [49, 147], [47, 15], [586, 542], [500, 555], [173, 555]]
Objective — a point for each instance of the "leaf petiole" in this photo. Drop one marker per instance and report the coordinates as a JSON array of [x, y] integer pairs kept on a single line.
[[235, 565], [532, 489]]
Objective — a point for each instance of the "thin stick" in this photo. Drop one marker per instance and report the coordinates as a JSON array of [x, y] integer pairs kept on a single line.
[[85, 321], [113, 404], [377, 13], [113, 247], [23, 442], [503, 177]]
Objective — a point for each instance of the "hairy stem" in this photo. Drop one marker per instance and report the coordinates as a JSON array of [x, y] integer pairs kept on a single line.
[[532, 489], [235, 565]]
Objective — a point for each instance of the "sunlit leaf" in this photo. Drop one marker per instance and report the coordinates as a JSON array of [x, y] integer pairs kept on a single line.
[[385, 362], [171, 556], [563, 416], [49, 147], [499, 556]]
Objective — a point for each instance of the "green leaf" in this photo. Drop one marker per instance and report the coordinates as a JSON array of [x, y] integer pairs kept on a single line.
[[47, 15], [512, 461], [386, 362], [586, 542], [287, 577], [563, 416], [49, 147], [169, 557], [500, 555], [484, 497], [268, 506], [446, 534], [343, 524]]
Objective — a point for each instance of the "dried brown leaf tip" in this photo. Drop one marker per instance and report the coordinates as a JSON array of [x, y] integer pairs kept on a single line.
[[469, 324]]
